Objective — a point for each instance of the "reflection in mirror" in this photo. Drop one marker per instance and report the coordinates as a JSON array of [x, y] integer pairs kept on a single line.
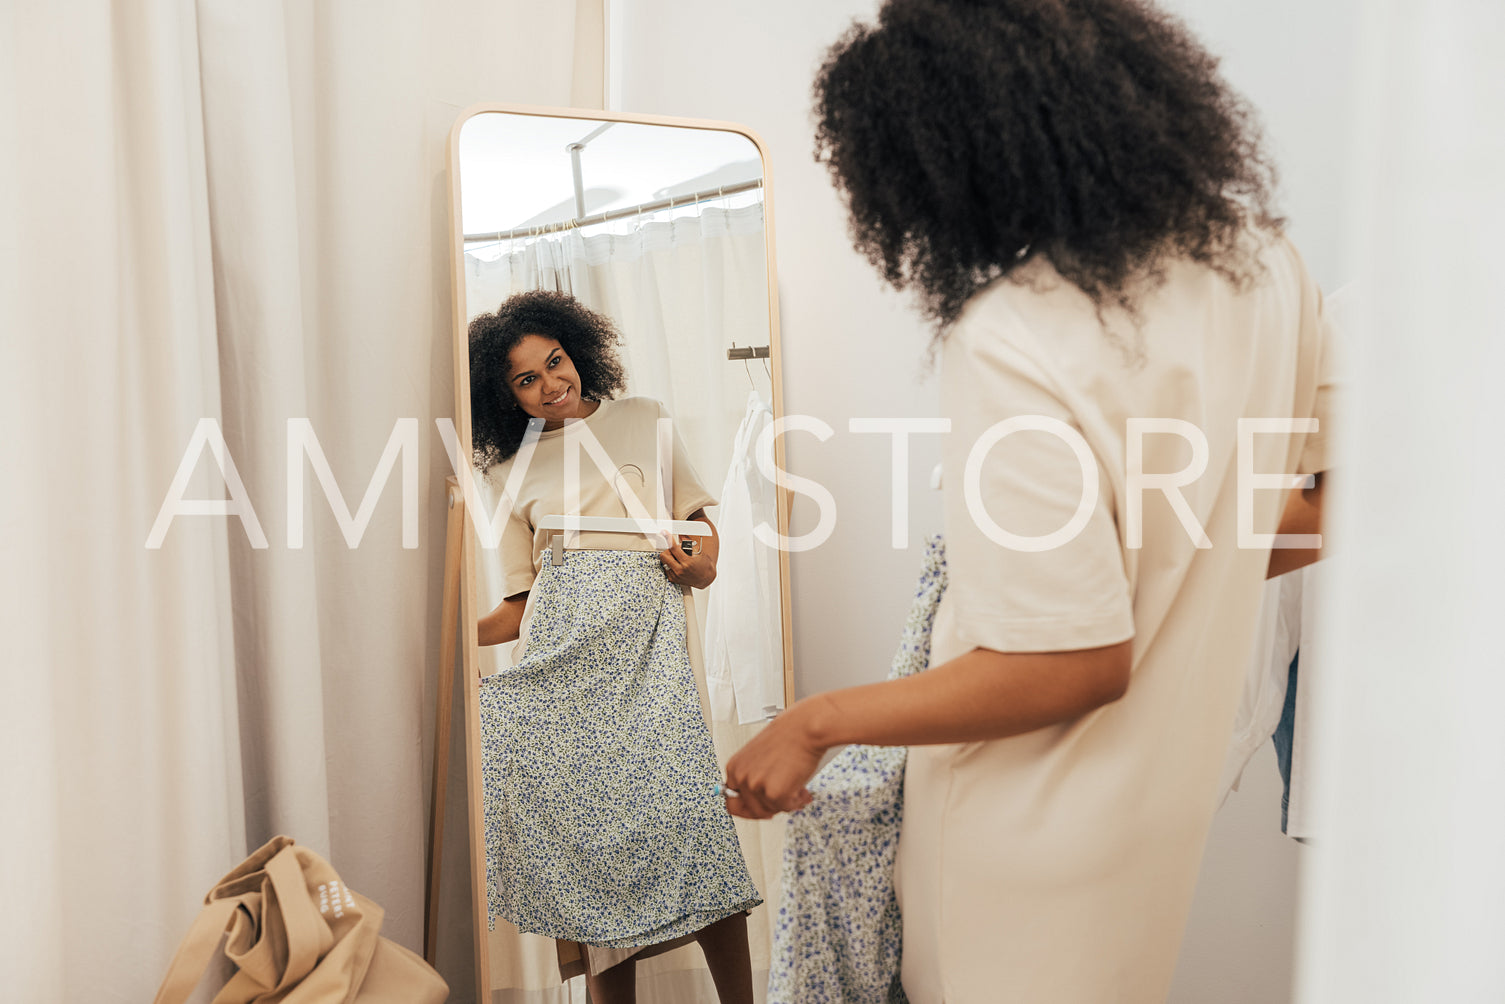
[[622, 362]]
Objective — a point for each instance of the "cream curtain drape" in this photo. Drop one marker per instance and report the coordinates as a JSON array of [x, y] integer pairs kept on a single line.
[[123, 792], [1401, 899], [235, 213]]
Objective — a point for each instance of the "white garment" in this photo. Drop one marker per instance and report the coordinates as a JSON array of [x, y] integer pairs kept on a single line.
[[1300, 811], [1277, 634], [1289, 621], [744, 636], [1286, 623]]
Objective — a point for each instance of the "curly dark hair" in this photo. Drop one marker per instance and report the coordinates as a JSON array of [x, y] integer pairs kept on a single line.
[[968, 136], [497, 423]]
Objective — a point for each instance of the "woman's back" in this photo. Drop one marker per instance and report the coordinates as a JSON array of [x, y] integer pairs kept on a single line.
[[1094, 828]]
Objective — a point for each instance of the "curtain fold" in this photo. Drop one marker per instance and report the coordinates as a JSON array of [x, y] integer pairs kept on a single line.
[[122, 777], [1401, 901], [219, 218]]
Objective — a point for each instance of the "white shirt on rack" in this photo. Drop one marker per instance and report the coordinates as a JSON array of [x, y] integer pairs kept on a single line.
[[744, 638]]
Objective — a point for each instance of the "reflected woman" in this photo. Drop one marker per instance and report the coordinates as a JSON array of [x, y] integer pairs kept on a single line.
[[603, 826]]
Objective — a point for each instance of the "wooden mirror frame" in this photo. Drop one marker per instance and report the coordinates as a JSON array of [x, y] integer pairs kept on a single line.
[[468, 613]]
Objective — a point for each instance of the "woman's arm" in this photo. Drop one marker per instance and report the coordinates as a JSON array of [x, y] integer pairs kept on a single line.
[[1303, 514], [505, 622], [699, 570], [980, 695]]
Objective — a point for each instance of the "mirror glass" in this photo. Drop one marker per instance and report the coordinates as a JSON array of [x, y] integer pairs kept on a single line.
[[651, 358]]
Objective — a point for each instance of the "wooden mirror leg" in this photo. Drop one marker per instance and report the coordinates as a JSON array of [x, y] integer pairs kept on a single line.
[[444, 708]]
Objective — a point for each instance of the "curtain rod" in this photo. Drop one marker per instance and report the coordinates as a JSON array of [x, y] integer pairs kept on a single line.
[[615, 214]]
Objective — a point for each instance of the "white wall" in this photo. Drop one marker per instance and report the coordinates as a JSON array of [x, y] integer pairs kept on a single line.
[[852, 348]]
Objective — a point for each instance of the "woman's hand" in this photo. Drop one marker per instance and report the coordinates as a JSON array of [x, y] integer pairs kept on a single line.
[[698, 570], [770, 772]]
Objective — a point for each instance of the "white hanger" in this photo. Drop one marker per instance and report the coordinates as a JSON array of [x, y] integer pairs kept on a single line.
[[616, 524]]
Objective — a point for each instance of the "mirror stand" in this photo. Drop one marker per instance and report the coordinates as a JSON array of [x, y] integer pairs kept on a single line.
[[449, 626]]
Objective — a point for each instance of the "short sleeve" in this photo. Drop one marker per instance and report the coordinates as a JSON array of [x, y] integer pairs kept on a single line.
[[1074, 594], [517, 557], [689, 493], [1327, 329]]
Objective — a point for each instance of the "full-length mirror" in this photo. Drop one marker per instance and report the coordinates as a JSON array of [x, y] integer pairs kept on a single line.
[[618, 366]]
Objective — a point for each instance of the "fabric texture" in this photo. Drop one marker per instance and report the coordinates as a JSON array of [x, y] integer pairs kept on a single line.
[[744, 647], [602, 821], [839, 937], [1015, 853]]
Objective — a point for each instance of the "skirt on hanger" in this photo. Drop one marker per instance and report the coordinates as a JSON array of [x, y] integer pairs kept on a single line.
[[839, 936], [603, 822]]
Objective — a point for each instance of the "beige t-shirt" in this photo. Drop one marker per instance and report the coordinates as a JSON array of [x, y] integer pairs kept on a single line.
[[620, 436], [1059, 865]]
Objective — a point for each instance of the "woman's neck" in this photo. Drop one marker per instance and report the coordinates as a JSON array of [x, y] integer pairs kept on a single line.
[[587, 409]]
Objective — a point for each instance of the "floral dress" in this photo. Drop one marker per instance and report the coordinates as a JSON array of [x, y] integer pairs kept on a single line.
[[838, 936]]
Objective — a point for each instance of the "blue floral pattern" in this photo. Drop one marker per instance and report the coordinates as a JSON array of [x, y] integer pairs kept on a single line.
[[603, 825], [838, 936]]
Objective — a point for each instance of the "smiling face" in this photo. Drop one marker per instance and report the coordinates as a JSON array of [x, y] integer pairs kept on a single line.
[[545, 382]]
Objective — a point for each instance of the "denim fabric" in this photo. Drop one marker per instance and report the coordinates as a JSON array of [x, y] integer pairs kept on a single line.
[[1283, 737]]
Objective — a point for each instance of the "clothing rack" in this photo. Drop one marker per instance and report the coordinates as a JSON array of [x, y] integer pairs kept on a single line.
[[673, 202]]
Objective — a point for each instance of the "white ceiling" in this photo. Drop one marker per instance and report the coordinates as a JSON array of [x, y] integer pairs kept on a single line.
[[515, 169]]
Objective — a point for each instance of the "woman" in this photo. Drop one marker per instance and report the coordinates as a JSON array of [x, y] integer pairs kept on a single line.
[[1083, 208], [602, 823]]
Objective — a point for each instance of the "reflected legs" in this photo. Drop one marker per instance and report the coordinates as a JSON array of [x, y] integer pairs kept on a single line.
[[726, 955], [617, 985]]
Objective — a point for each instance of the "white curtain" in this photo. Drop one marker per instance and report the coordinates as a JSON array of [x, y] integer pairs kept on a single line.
[[121, 779], [1405, 896], [682, 290], [234, 212]]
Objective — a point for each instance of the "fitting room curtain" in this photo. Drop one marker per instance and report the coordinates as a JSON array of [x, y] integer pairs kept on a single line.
[[235, 213], [1402, 900], [681, 290]]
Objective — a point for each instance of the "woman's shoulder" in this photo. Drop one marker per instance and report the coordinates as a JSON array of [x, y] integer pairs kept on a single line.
[[634, 406]]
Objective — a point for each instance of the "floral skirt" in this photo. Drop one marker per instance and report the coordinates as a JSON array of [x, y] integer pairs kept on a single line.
[[603, 825], [839, 937]]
